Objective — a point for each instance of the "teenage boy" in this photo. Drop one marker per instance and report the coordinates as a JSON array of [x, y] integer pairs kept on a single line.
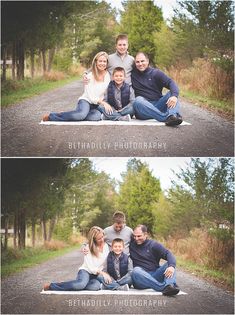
[[118, 99], [118, 229], [120, 58], [116, 274]]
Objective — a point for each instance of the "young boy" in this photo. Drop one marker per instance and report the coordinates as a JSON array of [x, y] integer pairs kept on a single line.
[[118, 99], [116, 274]]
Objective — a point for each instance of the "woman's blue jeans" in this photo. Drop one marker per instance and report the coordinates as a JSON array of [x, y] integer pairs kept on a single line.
[[155, 280], [84, 281], [127, 110], [158, 110], [115, 283], [83, 111]]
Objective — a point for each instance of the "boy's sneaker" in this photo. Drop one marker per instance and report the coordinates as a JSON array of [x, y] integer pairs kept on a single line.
[[124, 287], [125, 118]]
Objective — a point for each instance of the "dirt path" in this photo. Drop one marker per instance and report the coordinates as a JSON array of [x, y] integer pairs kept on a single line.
[[22, 136], [21, 294]]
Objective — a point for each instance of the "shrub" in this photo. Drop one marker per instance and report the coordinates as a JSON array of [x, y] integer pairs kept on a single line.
[[54, 245], [54, 76]]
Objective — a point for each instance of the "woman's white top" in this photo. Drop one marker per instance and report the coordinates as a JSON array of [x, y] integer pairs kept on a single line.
[[94, 90], [92, 263]]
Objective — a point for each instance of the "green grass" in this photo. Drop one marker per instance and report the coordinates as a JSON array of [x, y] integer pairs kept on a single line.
[[216, 276], [16, 261], [225, 108], [16, 91]]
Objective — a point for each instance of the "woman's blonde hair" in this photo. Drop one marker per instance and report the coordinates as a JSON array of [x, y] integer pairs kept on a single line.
[[94, 65], [92, 234]]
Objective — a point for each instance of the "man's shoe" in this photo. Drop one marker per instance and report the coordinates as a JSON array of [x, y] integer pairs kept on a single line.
[[125, 118], [45, 117], [170, 290], [173, 120], [124, 287], [46, 287]]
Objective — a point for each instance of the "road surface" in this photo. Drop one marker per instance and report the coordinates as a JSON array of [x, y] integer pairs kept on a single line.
[[21, 294], [22, 136]]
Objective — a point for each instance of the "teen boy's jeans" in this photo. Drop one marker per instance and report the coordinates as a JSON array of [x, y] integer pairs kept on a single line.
[[155, 280], [83, 111], [84, 281], [115, 284], [127, 110], [158, 110]]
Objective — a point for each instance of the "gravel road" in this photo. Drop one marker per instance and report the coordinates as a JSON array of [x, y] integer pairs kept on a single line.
[[21, 294], [22, 136]]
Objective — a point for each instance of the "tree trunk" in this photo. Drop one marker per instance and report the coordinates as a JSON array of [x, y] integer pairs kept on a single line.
[[44, 68], [50, 58], [4, 65], [44, 230], [15, 230], [51, 228], [22, 228], [20, 60], [13, 66], [33, 232], [32, 68], [6, 231]]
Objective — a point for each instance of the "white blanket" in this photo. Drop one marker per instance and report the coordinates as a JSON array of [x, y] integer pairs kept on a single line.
[[145, 292], [133, 122]]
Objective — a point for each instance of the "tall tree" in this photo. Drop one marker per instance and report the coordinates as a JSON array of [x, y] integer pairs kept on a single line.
[[139, 190], [140, 19], [203, 195]]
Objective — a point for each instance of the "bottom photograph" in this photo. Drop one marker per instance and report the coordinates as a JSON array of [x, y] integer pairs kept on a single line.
[[117, 235]]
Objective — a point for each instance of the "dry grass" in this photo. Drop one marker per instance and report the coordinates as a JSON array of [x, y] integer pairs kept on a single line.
[[76, 239], [204, 249], [54, 245], [205, 78], [54, 76]]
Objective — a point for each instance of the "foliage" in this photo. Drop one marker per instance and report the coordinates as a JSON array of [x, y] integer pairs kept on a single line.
[[140, 20], [139, 190], [203, 195]]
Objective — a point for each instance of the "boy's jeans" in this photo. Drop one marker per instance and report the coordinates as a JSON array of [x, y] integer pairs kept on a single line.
[[84, 281], [115, 283], [127, 110], [155, 280]]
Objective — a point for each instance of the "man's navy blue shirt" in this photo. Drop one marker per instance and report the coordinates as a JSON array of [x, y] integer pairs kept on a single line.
[[150, 83], [148, 255]]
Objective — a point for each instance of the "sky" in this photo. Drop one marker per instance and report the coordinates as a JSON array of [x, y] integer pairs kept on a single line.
[[161, 167], [166, 5]]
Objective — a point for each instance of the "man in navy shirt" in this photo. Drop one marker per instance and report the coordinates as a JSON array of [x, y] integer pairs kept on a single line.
[[147, 272], [148, 84]]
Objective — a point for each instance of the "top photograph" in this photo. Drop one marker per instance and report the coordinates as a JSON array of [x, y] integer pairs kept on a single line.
[[117, 78]]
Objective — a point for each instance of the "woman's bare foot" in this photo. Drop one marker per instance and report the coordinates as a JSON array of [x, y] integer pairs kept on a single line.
[[45, 117], [46, 286]]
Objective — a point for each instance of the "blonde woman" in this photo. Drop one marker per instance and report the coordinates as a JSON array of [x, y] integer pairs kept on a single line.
[[91, 267], [86, 109]]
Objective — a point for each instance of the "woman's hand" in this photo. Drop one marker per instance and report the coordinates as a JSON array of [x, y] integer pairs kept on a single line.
[[107, 278], [107, 107]]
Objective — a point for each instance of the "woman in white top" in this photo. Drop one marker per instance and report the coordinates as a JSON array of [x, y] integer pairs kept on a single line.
[[91, 267], [93, 94]]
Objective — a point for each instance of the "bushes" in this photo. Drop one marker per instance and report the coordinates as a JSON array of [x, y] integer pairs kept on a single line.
[[205, 77], [204, 249]]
